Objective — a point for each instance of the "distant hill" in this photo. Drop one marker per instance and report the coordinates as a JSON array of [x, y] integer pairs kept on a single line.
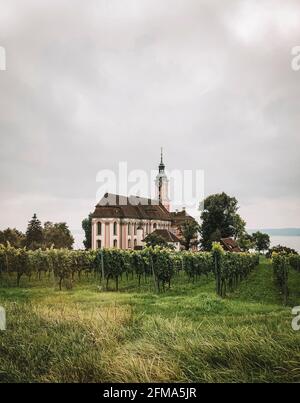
[[278, 231]]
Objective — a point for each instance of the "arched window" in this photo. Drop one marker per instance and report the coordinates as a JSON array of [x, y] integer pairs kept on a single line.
[[129, 228], [99, 244], [154, 226], [134, 229], [115, 228], [129, 243], [135, 243], [99, 228], [115, 243]]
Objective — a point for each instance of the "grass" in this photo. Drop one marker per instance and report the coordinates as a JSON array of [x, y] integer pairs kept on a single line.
[[187, 334]]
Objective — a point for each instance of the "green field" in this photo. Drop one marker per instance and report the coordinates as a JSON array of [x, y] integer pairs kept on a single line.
[[186, 334]]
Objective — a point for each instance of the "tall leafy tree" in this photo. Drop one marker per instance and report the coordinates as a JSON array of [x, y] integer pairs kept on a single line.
[[87, 228], [57, 235], [34, 234], [219, 219], [13, 236], [261, 241], [246, 242], [189, 232], [239, 227]]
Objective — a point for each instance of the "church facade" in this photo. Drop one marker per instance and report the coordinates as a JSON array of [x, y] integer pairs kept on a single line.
[[124, 222]]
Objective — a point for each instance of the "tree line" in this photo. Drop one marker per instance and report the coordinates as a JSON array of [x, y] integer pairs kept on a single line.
[[219, 219], [56, 235]]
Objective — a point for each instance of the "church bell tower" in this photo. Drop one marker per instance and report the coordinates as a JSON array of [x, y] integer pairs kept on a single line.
[[162, 185]]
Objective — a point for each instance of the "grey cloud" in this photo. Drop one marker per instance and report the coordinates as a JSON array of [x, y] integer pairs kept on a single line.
[[89, 84]]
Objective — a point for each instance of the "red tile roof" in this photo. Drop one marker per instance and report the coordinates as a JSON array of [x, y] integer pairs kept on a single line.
[[167, 235], [116, 206], [230, 245], [179, 218]]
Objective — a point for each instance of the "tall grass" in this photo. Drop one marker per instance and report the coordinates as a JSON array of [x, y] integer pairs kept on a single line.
[[187, 334]]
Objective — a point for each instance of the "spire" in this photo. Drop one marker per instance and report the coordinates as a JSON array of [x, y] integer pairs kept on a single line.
[[161, 165], [162, 184]]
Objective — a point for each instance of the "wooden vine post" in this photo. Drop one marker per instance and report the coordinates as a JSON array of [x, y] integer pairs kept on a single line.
[[217, 251], [102, 270]]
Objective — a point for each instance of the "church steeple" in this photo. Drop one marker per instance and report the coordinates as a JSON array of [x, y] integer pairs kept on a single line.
[[162, 184], [161, 165]]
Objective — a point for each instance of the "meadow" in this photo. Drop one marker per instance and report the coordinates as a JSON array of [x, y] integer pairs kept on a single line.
[[185, 334]]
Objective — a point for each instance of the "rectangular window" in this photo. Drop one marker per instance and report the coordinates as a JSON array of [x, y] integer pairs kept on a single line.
[[99, 244], [99, 228]]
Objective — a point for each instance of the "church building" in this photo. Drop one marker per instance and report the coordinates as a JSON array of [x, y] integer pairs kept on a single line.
[[124, 222]]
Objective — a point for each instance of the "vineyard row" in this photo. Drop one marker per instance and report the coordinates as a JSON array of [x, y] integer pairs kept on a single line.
[[282, 263], [157, 263]]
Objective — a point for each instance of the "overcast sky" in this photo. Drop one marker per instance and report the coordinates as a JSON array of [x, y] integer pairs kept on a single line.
[[89, 84]]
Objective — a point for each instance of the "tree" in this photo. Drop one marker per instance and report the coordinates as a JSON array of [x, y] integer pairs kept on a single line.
[[153, 240], [57, 235], [87, 227], [239, 227], [261, 241], [13, 236], [219, 219], [34, 234], [246, 242], [189, 234]]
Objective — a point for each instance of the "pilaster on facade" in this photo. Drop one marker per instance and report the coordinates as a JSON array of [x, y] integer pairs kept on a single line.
[[123, 233]]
